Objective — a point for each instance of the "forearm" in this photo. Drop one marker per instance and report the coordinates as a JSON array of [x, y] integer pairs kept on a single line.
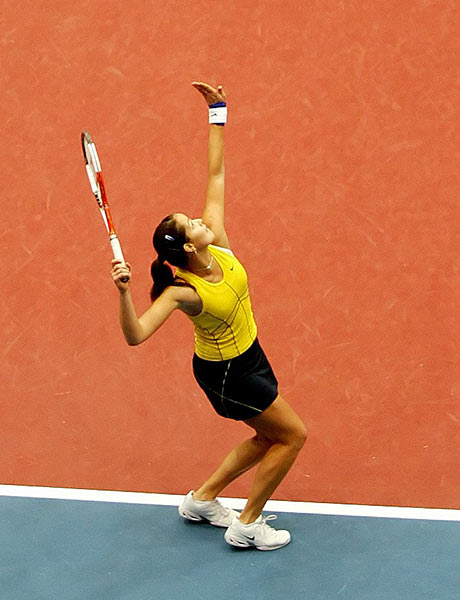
[[129, 322], [216, 150]]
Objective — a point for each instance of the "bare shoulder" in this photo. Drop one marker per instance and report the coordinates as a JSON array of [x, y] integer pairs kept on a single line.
[[186, 298], [171, 299]]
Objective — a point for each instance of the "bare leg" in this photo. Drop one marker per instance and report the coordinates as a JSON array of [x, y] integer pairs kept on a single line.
[[238, 461], [282, 425], [280, 435]]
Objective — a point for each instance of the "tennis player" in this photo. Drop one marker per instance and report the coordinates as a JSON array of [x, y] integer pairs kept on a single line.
[[210, 286]]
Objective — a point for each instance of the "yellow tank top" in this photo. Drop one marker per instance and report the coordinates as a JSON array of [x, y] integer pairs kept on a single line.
[[225, 327]]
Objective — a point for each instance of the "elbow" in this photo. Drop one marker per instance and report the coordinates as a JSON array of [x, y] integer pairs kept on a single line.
[[133, 335], [136, 340], [217, 173], [133, 341]]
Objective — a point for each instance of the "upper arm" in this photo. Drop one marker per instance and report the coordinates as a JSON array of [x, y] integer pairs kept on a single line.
[[154, 317], [213, 214]]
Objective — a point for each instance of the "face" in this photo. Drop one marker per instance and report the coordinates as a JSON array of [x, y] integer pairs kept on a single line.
[[196, 231]]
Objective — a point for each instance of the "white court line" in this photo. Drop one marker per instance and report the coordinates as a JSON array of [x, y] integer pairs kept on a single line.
[[312, 508]]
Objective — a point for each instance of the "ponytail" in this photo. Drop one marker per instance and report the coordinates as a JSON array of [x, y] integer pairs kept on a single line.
[[162, 277], [168, 240]]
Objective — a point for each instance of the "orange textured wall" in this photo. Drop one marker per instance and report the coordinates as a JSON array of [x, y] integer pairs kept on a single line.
[[342, 193]]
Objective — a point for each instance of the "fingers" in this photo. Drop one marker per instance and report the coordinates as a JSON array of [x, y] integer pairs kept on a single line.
[[206, 87], [119, 272], [220, 89], [116, 262], [203, 88], [210, 93]]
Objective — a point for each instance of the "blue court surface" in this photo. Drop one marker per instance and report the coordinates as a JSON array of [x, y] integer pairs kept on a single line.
[[53, 549]]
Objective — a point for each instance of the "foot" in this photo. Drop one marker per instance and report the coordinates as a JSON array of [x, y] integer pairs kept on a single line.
[[207, 510], [257, 534]]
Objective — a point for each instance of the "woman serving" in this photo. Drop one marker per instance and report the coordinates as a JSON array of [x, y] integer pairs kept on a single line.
[[210, 286]]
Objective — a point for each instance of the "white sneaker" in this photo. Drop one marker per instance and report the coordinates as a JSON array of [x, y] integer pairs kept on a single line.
[[257, 534], [207, 510]]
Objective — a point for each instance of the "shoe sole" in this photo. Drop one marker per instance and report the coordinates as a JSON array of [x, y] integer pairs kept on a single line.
[[238, 544], [190, 516], [197, 518]]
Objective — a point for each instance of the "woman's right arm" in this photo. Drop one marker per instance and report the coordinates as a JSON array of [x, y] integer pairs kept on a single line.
[[137, 329]]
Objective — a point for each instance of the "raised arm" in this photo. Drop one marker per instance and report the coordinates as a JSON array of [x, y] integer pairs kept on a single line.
[[213, 212]]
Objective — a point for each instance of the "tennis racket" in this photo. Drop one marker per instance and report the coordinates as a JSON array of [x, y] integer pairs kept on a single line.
[[94, 172]]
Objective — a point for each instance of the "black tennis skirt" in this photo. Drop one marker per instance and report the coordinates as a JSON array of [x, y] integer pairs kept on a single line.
[[239, 388]]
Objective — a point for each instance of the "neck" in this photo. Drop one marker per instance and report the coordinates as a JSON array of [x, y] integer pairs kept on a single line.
[[202, 264]]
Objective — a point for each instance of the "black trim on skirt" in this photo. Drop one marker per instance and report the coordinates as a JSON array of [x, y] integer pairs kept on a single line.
[[239, 388]]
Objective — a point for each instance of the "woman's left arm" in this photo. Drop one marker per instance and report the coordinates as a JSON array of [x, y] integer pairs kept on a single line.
[[213, 213]]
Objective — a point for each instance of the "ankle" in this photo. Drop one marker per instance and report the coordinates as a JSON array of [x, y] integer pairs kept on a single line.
[[203, 496], [248, 519]]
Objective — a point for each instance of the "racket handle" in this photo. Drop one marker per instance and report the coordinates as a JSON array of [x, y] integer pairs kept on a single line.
[[117, 252]]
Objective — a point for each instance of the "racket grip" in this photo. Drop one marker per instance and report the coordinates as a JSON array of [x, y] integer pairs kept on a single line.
[[117, 253]]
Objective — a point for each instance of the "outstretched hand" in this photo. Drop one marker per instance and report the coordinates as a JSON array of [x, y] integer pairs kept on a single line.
[[210, 93]]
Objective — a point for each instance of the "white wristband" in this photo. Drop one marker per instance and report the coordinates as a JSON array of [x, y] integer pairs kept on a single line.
[[218, 115]]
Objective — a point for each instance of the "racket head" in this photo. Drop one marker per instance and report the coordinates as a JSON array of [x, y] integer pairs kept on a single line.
[[94, 172], [93, 166], [89, 151], [86, 141]]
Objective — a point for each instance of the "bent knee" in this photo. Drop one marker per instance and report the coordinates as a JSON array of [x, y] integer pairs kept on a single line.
[[262, 439], [299, 437]]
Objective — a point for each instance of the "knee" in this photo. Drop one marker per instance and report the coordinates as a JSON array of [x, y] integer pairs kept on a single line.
[[299, 437], [262, 439]]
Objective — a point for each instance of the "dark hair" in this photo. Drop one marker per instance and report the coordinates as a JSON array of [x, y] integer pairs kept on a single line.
[[168, 240]]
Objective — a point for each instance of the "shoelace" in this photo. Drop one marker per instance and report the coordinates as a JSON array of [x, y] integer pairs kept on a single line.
[[264, 520], [223, 510]]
